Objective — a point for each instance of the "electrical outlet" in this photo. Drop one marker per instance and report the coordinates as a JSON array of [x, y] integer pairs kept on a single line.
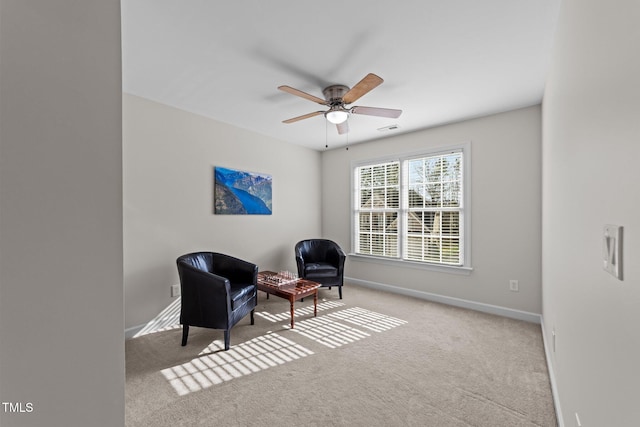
[[513, 286], [612, 250], [175, 290]]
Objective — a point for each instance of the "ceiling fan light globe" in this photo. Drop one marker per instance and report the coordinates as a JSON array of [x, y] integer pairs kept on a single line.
[[336, 117]]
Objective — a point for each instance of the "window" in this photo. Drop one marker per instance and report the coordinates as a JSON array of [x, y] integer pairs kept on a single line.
[[379, 208], [413, 208]]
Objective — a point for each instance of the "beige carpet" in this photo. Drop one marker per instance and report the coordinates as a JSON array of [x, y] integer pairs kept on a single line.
[[371, 359]]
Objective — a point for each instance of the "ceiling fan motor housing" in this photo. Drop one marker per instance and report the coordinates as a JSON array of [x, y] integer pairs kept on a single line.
[[333, 94]]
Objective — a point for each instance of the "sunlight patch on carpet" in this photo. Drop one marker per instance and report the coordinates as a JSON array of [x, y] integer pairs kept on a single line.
[[368, 319], [327, 332], [302, 311], [215, 366]]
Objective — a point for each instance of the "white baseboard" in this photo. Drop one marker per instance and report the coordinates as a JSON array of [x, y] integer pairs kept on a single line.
[[552, 376], [457, 302]]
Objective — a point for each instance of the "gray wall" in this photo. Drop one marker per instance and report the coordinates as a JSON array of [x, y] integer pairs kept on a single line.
[[505, 209], [169, 157], [591, 150], [61, 314]]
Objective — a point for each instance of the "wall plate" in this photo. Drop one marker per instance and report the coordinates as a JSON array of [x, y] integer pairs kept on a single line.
[[175, 290], [612, 250]]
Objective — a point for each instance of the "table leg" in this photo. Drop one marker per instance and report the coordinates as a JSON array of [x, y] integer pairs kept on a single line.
[[315, 303], [291, 303]]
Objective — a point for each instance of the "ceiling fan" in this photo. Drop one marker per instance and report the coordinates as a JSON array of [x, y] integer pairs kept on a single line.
[[336, 97]]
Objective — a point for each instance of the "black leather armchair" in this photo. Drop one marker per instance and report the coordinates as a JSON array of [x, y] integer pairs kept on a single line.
[[217, 291], [321, 261]]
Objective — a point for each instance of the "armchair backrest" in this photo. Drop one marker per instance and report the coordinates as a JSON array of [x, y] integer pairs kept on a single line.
[[200, 260], [233, 269], [319, 250]]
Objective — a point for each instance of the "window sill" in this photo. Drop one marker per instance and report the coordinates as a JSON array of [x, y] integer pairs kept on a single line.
[[451, 269]]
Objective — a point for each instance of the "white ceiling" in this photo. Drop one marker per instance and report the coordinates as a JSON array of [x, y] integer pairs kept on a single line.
[[442, 60]]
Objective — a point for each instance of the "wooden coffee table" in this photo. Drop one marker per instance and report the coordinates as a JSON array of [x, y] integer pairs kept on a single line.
[[292, 291]]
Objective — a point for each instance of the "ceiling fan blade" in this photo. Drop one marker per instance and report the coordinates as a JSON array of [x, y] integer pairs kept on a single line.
[[306, 116], [374, 111], [302, 94], [370, 82], [343, 127]]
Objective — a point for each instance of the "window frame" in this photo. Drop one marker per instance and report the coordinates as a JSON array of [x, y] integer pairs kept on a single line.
[[465, 210]]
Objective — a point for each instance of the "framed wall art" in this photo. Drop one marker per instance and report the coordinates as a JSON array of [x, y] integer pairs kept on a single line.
[[237, 192]]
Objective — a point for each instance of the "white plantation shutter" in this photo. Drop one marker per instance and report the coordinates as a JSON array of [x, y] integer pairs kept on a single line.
[[378, 191], [411, 209], [433, 209]]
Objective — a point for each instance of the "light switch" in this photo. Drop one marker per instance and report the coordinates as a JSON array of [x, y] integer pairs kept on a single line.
[[612, 250]]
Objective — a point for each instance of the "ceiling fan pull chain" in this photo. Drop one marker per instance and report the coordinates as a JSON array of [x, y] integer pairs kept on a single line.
[[326, 134]]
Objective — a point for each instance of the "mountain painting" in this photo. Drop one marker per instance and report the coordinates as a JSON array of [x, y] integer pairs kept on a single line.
[[241, 193]]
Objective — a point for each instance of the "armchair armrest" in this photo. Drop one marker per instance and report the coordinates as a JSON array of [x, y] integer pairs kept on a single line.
[[300, 265], [205, 296], [336, 256], [196, 278]]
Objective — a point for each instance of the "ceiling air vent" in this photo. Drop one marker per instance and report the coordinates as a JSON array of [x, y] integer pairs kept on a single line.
[[388, 128]]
